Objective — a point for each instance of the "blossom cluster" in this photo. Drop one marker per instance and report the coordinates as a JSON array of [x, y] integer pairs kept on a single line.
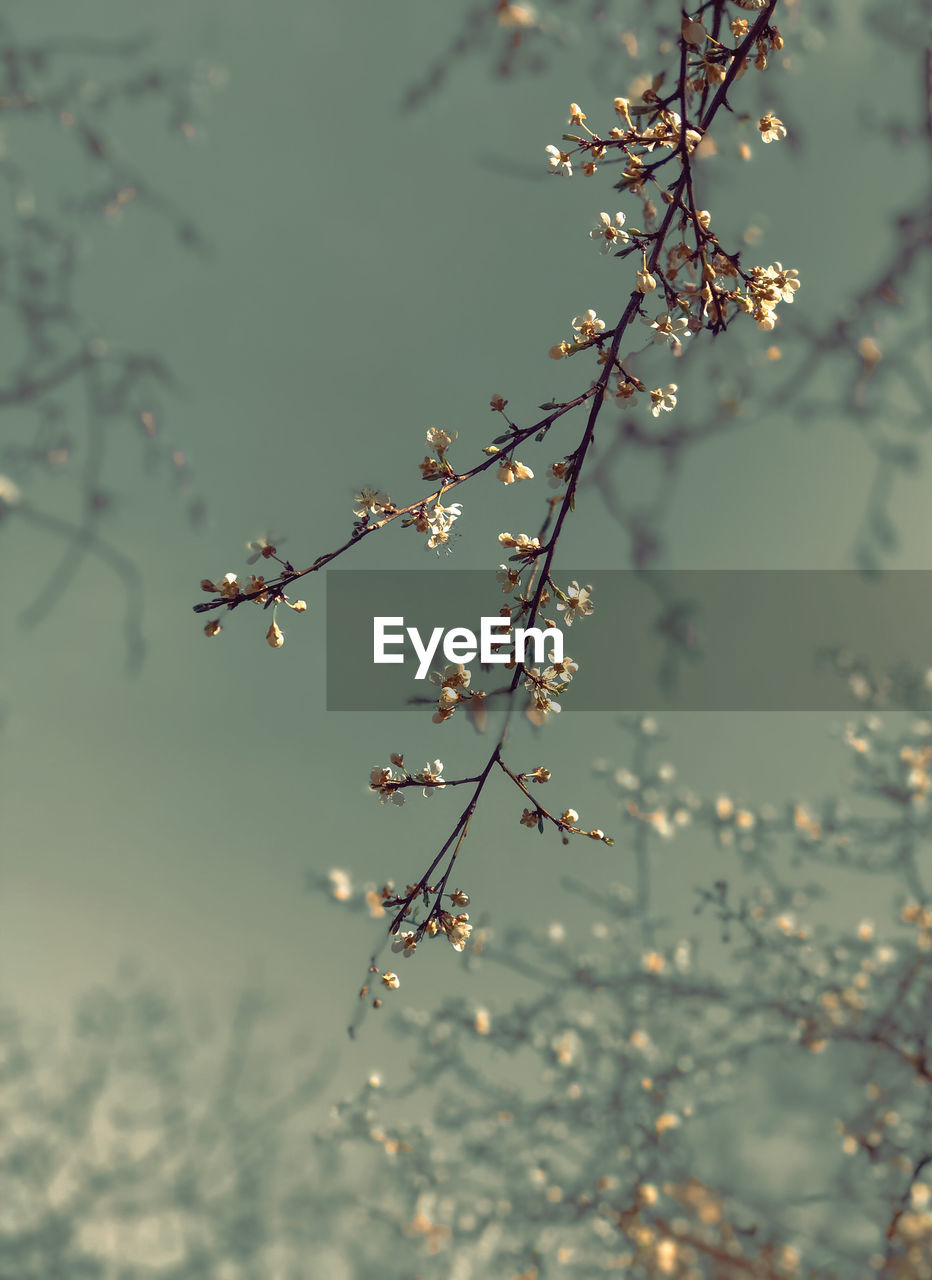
[[439, 441], [454, 925], [713, 293], [231, 591], [437, 521], [389, 785], [766, 288], [525, 548], [544, 687], [454, 689]]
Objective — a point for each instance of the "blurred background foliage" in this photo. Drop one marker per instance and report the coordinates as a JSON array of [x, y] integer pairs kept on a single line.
[[248, 257]]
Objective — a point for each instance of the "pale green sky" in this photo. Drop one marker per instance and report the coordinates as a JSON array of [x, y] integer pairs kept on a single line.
[[372, 274]]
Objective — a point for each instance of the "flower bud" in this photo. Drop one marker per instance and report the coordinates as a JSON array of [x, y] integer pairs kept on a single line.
[[621, 107], [693, 32]]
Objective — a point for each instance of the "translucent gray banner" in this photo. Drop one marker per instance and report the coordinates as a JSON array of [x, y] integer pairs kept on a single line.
[[688, 640]]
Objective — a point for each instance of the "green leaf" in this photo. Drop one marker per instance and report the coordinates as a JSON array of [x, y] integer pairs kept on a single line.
[[540, 824]]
